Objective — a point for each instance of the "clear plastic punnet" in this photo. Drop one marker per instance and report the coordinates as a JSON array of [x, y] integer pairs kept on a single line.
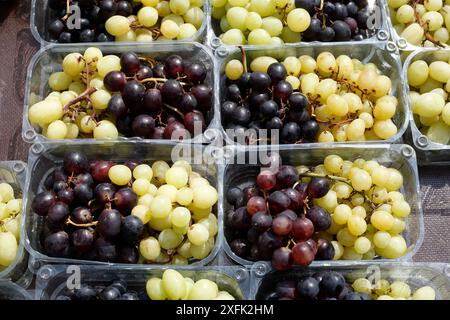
[[52, 280], [416, 275], [41, 15], [377, 17], [383, 55], [48, 60], [399, 156], [43, 158], [14, 173], [428, 152], [11, 291]]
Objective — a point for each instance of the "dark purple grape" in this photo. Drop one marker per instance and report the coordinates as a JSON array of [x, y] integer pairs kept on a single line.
[[57, 244], [130, 63], [288, 213], [174, 66], [188, 103], [128, 254], [59, 185], [342, 31], [133, 92], [240, 219], [256, 99], [319, 217], [195, 72], [308, 288], [297, 101], [109, 222], [143, 126], [278, 201], [57, 214], [318, 187], [117, 106], [352, 24], [67, 196], [131, 229], [260, 81], [235, 197], [158, 71], [65, 37], [241, 115], [104, 193], [125, 200], [55, 28], [282, 90], [287, 176], [308, 5], [291, 133], [144, 72], [152, 101], [253, 235], [42, 202], [277, 72], [282, 259], [124, 8], [75, 162], [81, 215], [326, 34], [274, 123], [172, 92], [85, 293], [194, 122], [233, 93], [340, 12], [85, 178], [203, 94], [261, 221], [131, 296], [82, 240], [244, 82], [83, 193], [296, 198], [109, 293], [268, 108], [268, 242], [240, 247], [331, 284], [115, 81], [106, 250], [325, 250]]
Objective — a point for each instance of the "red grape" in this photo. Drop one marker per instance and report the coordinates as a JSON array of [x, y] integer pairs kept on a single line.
[[282, 259], [266, 180], [282, 225], [256, 204], [302, 254], [302, 229], [318, 187], [278, 201]]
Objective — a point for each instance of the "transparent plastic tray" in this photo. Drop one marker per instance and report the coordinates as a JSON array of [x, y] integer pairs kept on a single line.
[[14, 173], [398, 156], [48, 60], [428, 152], [435, 275], [376, 6], [11, 291], [41, 14], [44, 157], [384, 55], [51, 280]]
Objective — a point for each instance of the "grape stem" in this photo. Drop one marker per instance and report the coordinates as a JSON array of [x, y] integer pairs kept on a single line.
[[424, 25], [318, 175], [150, 61], [156, 33], [156, 80], [67, 10], [168, 106], [83, 225], [83, 96], [244, 58]]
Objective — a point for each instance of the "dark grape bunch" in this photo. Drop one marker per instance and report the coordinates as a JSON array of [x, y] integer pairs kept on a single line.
[[156, 100], [265, 100], [275, 219], [86, 215], [336, 20], [94, 14], [324, 285], [116, 290]]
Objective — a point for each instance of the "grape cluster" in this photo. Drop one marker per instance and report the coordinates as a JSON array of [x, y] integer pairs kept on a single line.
[[396, 290], [275, 219], [421, 23], [429, 87], [326, 99], [332, 285], [273, 22], [10, 212], [173, 286], [116, 290], [336, 210], [106, 96], [115, 212], [125, 20]]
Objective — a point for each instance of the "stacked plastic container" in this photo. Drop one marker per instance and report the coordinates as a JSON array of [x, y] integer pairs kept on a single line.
[[242, 278]]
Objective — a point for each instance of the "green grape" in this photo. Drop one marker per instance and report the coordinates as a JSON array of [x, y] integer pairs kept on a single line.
[[179, 7], [236, 17], [204, 290], [298, 20], [233, 37], [272, 25], [173, 284], [417, 73], [155, 290], [253, 21], [439, 132], [194, 16], [259, 37], [413, 33], [56, 130], [117, 25], [234, 69]]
